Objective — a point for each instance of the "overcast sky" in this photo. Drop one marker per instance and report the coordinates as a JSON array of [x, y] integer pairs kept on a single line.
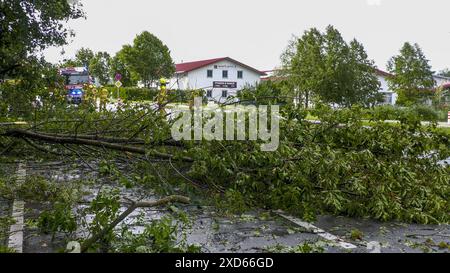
[[257, 31]]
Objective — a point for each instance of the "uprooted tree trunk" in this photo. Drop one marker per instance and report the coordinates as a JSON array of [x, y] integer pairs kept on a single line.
[[134, 205]]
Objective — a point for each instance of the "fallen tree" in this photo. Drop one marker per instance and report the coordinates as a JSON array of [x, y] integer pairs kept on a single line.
[[20, 133], [339, 165]]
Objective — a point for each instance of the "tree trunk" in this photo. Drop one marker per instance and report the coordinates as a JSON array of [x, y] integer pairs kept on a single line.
[[19, 133]]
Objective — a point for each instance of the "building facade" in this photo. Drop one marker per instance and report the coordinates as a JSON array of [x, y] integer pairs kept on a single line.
[[442, 81], [390, 97], [221, 78]]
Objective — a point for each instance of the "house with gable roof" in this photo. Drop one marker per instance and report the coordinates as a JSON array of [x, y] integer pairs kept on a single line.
[[220, 77]]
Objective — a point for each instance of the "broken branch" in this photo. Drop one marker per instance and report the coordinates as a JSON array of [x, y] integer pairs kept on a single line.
[[134, 205]]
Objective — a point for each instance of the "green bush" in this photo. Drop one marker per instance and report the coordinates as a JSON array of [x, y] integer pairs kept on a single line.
[[389, 112], [384, 112], [146, 94], [443, 114], [179, 96], [426, 113], [267, 92]]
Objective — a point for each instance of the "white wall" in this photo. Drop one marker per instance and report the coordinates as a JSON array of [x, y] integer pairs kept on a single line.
[[390, 97], [197, 79], [441, 81]]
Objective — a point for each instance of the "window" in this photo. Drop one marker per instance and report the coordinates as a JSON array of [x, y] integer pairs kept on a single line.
[[225, 74], [209, 73], [388, 99], [209, 93], [215, 67], [224, 93], [240, 74]]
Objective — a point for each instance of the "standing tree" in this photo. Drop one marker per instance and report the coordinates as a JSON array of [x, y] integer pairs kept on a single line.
[[99, 67], [149, 58], [365, 84], [301, 62], [413, 79], [27, 27], [120, 66], [84, 56], [323, 66]]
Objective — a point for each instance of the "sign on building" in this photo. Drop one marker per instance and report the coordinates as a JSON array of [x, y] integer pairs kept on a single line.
[[225, 85]]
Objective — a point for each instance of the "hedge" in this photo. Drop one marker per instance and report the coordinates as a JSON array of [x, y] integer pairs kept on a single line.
[[133, 93], [146, 94], [388, 112]]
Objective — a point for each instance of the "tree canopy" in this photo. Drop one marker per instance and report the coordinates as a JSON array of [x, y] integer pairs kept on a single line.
[[120, 66], [27, 27], [84, 56], [100, 66], [413, 79], [323, 66], [149, 58]]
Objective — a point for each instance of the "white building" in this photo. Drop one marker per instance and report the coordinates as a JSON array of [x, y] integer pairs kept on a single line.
[[441, 81], [223, 77], [220, 78], [390, 97]]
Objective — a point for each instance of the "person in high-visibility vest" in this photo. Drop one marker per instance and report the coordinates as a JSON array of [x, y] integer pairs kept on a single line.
[[86, 94], [103, 98], [94, 97], [162, 97]]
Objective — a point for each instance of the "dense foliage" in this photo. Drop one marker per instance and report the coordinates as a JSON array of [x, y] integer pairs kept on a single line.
[[413, 79], [339, 166], [322, 66], [100, 67], [420, 112], [119, 65], [267, 92], [148, 58], [40, 80], [27, 27]]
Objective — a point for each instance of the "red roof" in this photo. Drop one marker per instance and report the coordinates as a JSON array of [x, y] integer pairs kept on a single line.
[[383, 73], [274, 79], [187, 67]]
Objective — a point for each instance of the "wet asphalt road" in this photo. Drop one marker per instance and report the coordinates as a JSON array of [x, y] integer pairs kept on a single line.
[[253, 232]]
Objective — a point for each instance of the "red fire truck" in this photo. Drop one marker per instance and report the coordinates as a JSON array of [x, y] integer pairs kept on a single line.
[[75, 80]]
